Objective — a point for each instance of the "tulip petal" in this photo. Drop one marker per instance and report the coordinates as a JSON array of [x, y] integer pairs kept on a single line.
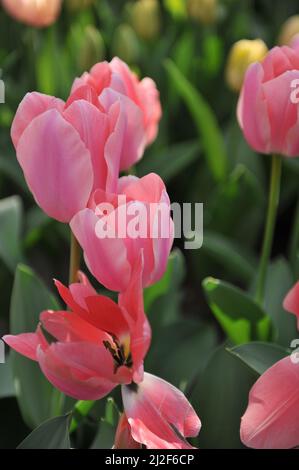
[[25, 344], [159, 415], [291, 301], [271, 420], [94, 129], [56, 164], [80, 370], [32, 105], [105, 257]]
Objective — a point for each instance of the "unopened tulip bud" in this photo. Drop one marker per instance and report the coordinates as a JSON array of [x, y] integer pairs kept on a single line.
[[76, 5], [242, 54], [92, 49], [146, 18], [125, 44], [289, 30], [204, 11], [177, 8], [34, 13]]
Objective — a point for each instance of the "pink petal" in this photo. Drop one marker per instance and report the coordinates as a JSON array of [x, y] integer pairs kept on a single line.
[[32, 105], [106, 315], [69, 327], [56, 164], [86, 93], [134, 136], [271, 420], [291, 301], [252, 110], [149, 188], [81, 370], [105, 257], [93, 127], [25, 344], [154, 409]]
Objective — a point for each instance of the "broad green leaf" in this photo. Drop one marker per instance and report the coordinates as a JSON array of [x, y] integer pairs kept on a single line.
[[279, 281], [163, 298], [259, 356], [10, 233], [52, 434], [105, 436], [230, 255], [209, 133], [179, 352], [221, 397], [38, 400], [169, 162], [240, 316]]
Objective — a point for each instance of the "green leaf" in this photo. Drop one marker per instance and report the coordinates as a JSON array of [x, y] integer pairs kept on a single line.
[[240, 317], [10, 233], [221, 396], [259, 356], [169, 162], [279, 281], [164, 296], [183, 352], [230, 255], [38, 400], [52, 434], [210, 135]]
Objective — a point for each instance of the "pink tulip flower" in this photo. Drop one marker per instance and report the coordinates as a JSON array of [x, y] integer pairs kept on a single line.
[[117, 76], [95, 346], [39, 13], [67, 150], [271, 420], [88, 351], [268, 105], [159, 415], [141, 203]]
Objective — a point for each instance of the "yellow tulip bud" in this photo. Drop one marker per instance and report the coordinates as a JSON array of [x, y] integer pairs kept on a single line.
[[125, 44], [92, 49], [289, 30], [204, 11], [74, 5], [146, 18], [241, 55]]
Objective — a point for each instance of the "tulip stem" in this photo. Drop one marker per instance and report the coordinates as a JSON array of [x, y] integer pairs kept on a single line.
[[75, 257], [270, 226]]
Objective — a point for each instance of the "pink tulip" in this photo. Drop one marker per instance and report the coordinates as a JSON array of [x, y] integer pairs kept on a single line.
[[271, 420], [111, 257], [117, 76], [159, 414], [267, 113], [37, 13], [96, 346], [67, 150], [123, 437]]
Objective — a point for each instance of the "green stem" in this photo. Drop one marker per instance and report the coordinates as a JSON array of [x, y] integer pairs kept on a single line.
[[81, 410], [75, 257], [270, 226]]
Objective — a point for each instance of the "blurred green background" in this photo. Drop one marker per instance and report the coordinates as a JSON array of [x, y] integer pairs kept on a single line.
[[202, 156]]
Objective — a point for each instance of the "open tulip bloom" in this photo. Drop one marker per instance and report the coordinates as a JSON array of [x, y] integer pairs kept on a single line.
[[271, 420], [88, 351]]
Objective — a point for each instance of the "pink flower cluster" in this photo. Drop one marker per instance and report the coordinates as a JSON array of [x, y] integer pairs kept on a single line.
[[72, 154]]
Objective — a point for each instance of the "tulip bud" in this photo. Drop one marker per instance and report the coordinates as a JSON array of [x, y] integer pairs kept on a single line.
[[177, 8], [75, 5], [39, 14], [241, 55], [204, 11], [146, 18], [92, 48], [288, 30], [125, 44]]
